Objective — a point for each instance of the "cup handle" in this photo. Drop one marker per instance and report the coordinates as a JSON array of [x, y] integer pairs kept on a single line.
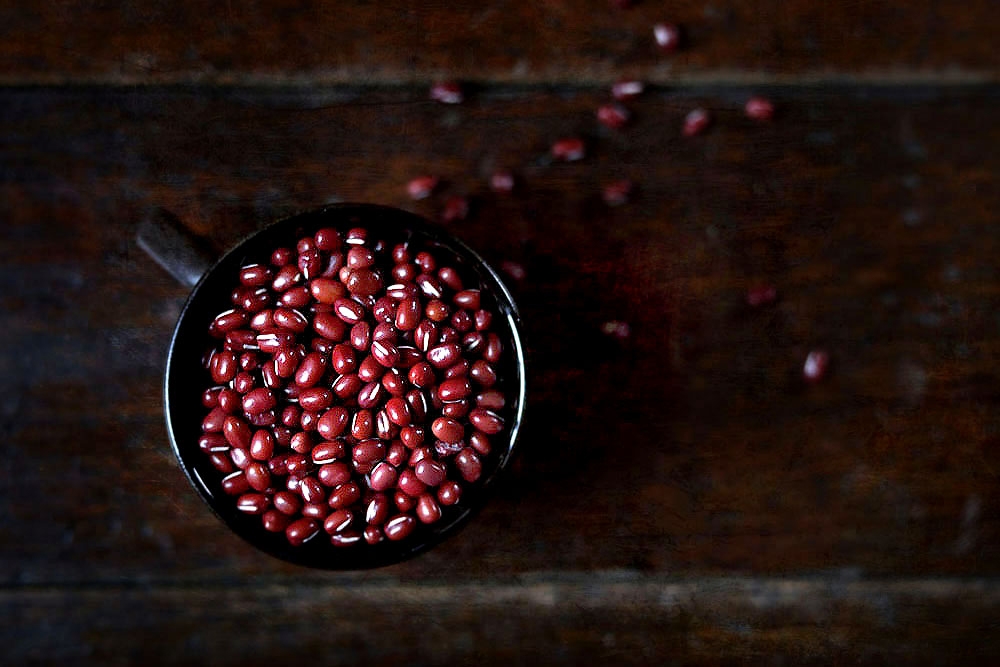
[[171, 245]]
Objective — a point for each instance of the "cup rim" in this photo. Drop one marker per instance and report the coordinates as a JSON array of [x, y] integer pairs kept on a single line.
[[318, 552]]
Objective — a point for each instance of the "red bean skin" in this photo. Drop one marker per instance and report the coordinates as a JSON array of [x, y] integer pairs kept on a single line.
[[287, 503], [302, 530], [385, 353], [228, 321], [281, 256], [454, 389], [418, 404], [408, 357], [361, 336], [436, 310], [310, 263], [369, 450], [274, 521], [399, 527], [479, 442], [364, 282], [240, 340], [223, 367], [696, 122], [327, 239], [255, 275], [449, 492], [334, 474], [237, 432], [384, 429], [333, 422], [258, 476], [426, 335], [383, 477], [396, 454], [315, 510], [347, 538], [221, 462], [486, 421], [461, 321], [338, 521], [468, 464], [759, 108], [302, 442], [403, 502], [328, 452], [447, 429], [309, 420], [362, 425], [243, 382], [447, 449], [455, 409], [330, 326], [494, 348], [398, 411], [370, 370], [214, 420], [349, 311], [449, 276], [421, 375], [327, 290], [344, 359], [347, 386], [408, 314], [259, 400], [370, 395], [213, 442], [483, 374], [428, 510], [425, 261], [315, 399], [272, 340], [311, 490], [240, 457], [344, 495], [394, 383], [252, 503], [410, 484], [430, 472], [311, 370], [412, 436], [262, 445], [297, 464], [442, 356], [235, 484], [468, 299], [270, 376], [377, 510], [287, 360]]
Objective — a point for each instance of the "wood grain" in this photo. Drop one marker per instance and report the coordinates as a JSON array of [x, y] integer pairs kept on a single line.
[[586, 42], [691, 447], [563, 621]]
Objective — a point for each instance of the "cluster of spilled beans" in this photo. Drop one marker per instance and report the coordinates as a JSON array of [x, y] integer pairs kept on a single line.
[[354, 389]]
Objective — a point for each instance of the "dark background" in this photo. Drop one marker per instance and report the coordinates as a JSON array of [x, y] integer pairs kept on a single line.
[[682, 495]]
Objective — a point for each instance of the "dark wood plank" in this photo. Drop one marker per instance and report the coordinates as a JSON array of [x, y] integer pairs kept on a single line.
[[628, 620], [690, 447], [577, 42]]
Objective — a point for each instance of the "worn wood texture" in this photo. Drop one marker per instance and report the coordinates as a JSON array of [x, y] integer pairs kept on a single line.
[[558, 621], [558, 41]]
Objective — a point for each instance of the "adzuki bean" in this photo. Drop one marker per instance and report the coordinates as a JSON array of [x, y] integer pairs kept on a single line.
[[354, 388]]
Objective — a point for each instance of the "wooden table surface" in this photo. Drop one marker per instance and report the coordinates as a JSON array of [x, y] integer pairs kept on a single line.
[[682, 495]]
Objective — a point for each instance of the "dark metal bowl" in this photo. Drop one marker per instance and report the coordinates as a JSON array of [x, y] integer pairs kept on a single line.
[[186, 379]]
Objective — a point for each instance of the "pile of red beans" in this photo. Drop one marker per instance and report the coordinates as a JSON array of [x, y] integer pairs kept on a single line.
[[355, 390]]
